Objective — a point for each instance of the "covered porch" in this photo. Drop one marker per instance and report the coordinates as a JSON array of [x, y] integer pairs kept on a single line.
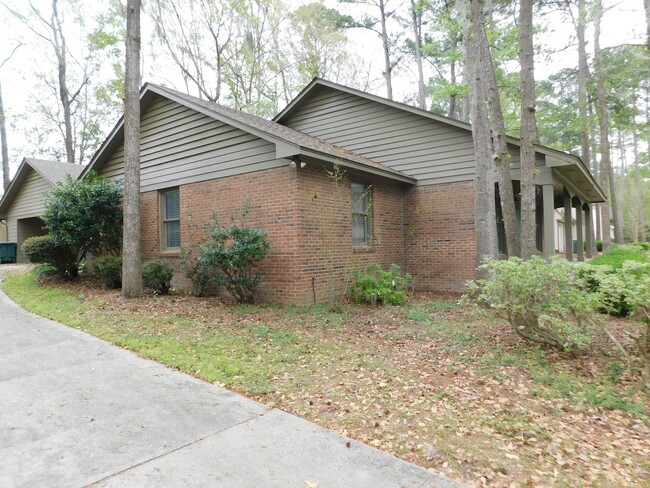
[[563, 182]]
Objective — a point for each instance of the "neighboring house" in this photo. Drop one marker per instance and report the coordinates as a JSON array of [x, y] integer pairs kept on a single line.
[[23, 204], [342, 178]]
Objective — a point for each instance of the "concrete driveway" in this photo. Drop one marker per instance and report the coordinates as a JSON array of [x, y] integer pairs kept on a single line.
[[76, 411]]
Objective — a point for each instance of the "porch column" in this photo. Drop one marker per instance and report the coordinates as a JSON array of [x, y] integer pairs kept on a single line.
[[568, 231], [581, 244], [589, 230], [548, 204]]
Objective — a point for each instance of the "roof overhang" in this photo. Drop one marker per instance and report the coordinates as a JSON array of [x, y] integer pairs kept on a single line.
[[353, 165], [574, 174]]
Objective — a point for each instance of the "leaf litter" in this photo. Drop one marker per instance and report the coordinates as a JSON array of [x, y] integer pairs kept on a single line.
[[452, 390]]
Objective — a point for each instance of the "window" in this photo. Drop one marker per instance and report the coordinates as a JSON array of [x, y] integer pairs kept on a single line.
[[170, 213], [360, 214]]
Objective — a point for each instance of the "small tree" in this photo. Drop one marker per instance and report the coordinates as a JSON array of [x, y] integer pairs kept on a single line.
[[230, 259], [85, 215]]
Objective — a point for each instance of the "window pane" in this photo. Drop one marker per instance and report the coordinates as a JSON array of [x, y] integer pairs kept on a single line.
[[359, 235], [172, 205], [360, 214], [173, 234], [359, 198]]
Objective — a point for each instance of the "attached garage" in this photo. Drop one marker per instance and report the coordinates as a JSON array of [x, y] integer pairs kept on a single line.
[[24, 202]]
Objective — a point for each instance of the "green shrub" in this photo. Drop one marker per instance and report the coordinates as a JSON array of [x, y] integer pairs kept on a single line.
[[378, 286], [108, 268], [230, 259], [599, 246], [157, 275], [603, 276], [43, 250], [85, 215], [45, 271], [627, 290], [545, 302], [643, 245], [199, 271]]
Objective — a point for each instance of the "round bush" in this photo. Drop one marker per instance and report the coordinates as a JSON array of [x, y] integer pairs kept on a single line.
[[43, 250], [108, 268], [157, 275]]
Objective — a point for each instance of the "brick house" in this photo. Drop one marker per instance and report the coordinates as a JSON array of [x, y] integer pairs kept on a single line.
[[339, 179], [23, 204]]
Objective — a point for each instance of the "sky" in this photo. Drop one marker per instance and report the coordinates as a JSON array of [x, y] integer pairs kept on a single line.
[[624, 22]]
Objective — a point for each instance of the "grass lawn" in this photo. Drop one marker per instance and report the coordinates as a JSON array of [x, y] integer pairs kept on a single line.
[[446, 388]]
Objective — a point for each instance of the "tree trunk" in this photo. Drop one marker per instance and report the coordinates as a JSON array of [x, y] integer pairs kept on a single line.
[[583, 79], [501, 158], [646, 6], [638, 186], [528, 130], [464, 115], [5, 147], [384, 40], [621, 191], [486, 233], [453, 79], [417, 38], [131, 247], [453, 98], [606, 169], [60, 50]]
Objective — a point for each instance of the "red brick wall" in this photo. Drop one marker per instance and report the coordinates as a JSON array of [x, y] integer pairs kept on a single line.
[[328, 254], [307, 216], [440, 235], [428, 230], [271, 197]]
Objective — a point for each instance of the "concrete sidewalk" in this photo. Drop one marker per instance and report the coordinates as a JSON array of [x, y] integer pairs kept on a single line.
[[76, 411]]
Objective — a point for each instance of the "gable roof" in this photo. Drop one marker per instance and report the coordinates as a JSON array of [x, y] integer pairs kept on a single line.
[[570, 165], [288, 142], [51, 171]]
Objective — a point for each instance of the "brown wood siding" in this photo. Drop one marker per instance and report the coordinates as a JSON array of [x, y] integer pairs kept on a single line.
[[180, 146], [431, 151]]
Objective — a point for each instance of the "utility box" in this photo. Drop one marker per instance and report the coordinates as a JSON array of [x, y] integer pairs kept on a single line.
[[8, 252]]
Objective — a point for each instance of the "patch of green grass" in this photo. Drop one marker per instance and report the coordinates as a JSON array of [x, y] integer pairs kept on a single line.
[[602, 392], [274, 335], [243, 358], [439, 305], [319, 314], [417, 314], [617, 256], [458, 335], [53, 303]]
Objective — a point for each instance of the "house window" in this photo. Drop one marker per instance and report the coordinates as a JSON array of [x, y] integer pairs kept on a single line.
[[170, 213], [360, 214]]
